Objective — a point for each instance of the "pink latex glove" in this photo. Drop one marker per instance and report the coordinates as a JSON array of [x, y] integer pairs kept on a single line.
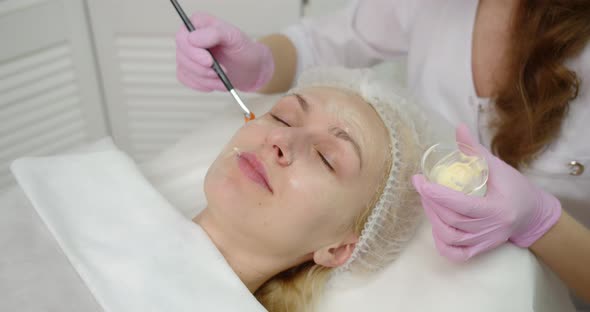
[[513, 209], [248, 64]]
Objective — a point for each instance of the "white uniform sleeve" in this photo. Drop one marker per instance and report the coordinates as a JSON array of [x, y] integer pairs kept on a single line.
[[362, 34]]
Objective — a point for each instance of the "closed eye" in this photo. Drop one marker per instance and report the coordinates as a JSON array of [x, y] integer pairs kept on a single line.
[[325, 161], [322, 157], [280, 120]]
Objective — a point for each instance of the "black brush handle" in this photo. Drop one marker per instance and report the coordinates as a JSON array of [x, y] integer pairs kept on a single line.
[[185, 19], [216, 67]]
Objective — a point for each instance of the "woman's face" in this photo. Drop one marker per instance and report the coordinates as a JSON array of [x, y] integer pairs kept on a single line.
[[296, 178]]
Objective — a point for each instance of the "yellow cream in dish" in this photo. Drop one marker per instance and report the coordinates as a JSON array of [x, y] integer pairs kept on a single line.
[[459, 172]]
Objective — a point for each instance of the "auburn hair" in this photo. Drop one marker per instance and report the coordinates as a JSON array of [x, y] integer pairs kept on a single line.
[[533, 100]]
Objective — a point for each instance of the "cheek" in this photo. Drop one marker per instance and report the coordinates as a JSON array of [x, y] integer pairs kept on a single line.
[[228, 198], [312, 200], [251, 134], [296, 184]]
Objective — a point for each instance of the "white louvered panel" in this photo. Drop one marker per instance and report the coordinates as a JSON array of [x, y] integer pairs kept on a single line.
[[148, 80], [51, 71], [148, 108], [33, 103], [41, 124], [159, 109], [29, 141], [49, 95], [50, 54], [168, 116], [156, 136], [46, 140], [33, 76], [36, 87], [160, 125], [39, 106], [178, 103], [157, 89]]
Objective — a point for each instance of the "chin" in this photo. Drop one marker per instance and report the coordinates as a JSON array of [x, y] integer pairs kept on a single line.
[[223, 190]]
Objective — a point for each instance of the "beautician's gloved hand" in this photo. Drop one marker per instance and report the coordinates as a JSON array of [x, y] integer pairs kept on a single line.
[[248, 64], [513, 209]]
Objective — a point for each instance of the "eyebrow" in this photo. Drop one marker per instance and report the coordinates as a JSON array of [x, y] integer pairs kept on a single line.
[[341, 134], [302, 101], [336, 131]]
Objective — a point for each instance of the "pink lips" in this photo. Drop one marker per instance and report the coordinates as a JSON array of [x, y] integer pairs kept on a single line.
[[253, 169]]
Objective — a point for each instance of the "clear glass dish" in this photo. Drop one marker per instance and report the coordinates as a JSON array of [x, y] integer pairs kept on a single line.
[[456, 166]]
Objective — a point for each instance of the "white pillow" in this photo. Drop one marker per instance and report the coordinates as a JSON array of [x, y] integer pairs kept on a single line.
[[506, 279]]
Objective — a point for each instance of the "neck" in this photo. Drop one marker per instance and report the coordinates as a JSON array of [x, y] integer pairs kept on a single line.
[[251, 262]]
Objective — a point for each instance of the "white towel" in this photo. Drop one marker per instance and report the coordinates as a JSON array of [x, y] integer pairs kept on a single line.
[[134, 251]]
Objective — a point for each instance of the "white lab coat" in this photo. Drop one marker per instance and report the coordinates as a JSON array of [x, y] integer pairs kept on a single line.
[[436, 38]]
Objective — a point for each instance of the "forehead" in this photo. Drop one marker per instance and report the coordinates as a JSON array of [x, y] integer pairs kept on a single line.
[[341, 105], [332, 98]]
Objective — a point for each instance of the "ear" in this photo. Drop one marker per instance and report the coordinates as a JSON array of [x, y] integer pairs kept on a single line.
[[336, 254]]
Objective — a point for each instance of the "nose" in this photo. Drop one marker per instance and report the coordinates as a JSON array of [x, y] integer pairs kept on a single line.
[[282, 158], [284, 143]]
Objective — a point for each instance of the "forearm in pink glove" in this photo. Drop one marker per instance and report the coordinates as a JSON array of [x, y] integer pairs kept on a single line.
[[248, 64], [513, 209]]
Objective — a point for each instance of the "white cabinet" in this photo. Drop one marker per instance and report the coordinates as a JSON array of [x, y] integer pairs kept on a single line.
[[147, 108], [49, 93]]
